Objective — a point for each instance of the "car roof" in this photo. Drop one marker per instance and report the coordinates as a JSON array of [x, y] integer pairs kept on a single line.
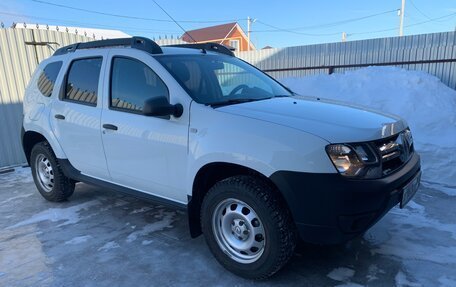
[[146, 45]]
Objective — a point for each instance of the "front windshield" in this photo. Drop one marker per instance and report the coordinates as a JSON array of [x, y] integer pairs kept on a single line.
[[215, 79]]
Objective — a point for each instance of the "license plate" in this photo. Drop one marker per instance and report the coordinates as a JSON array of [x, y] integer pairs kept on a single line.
[[410, 189]]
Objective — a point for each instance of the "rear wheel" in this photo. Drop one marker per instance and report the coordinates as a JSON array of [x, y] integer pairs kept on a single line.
[[248, 227], [49, 178]]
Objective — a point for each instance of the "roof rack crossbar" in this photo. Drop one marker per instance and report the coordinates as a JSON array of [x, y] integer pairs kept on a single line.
[[139, 43], [215, 47]]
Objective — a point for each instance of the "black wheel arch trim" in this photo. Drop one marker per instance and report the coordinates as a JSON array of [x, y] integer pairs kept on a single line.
[[26, 147], [205, 178]]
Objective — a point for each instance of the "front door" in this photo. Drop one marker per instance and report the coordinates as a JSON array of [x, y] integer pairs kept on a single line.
[[144, 153]]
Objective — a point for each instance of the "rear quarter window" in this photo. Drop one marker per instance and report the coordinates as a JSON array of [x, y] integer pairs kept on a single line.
[[47, 78]]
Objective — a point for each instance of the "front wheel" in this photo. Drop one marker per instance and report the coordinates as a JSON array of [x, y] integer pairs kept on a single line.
[[49, 178], [248, 227]]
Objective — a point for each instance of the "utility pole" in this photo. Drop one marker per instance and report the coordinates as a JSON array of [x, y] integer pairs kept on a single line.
[[250, 21], [248, 32], [344, 37], [401, 23]]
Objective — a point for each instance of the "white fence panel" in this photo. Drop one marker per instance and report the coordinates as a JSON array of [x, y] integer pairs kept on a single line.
[[20, 52], [432, 53]]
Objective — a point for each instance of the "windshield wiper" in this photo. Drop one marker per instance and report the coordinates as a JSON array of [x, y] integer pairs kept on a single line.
[[234, 101]]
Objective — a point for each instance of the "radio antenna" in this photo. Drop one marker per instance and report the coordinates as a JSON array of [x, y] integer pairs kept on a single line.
[[185, 32]]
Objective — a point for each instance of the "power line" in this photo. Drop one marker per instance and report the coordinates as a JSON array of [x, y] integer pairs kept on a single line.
[[410, 25], [171, 17], [437, 22], [326, 25], [129, 16], [277, 29], [419, 11], [341, 22]]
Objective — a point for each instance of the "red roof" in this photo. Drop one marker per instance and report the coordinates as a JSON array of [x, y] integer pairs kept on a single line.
[[208, 33]]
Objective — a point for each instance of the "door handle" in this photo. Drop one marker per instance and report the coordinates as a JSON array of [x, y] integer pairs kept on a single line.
[[59, 117], [110, 127]]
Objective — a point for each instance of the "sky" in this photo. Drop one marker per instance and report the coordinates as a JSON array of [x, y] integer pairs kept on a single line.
[[277, 24]]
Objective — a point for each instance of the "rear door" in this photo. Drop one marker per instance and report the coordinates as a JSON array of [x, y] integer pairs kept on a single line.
[[75, 116], [144, 153]]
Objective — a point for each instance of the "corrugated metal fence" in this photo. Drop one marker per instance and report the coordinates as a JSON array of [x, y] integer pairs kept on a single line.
[[431, 53], [20, 52], [22, 49]]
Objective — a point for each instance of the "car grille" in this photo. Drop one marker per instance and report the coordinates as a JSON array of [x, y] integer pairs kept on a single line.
[[395, 151]]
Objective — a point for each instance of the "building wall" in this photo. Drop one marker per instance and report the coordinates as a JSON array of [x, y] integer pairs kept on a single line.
[[237, 35], [234, 35]]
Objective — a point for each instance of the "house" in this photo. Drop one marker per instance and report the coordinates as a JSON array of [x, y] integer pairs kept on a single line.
[[230, 34]]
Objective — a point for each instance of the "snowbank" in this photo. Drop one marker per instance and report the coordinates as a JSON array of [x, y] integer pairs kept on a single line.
[[428, 105]]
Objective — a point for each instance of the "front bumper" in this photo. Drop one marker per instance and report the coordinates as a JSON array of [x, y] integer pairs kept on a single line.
[[331, 209]]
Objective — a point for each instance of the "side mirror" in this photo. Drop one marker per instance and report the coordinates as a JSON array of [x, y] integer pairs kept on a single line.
[[160, 107]]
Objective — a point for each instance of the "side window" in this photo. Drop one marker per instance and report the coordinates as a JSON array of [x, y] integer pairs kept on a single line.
[[133, 82], [47, 77], [190, 74], [82, 81]]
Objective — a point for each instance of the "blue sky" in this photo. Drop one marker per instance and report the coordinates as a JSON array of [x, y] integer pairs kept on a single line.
[[279, 23]]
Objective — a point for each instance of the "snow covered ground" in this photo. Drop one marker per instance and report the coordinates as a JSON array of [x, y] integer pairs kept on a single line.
[[428, 105], [100, 238]]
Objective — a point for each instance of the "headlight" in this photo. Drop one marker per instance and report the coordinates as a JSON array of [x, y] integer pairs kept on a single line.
[[408, 136], [355, 160]]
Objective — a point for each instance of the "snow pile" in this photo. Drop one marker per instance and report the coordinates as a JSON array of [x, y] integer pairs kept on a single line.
[[428, 105]]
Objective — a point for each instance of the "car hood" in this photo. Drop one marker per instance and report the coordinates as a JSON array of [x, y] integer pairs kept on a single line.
[[333, 121]]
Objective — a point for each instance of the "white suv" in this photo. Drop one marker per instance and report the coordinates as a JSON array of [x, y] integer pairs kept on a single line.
[[255, 166]]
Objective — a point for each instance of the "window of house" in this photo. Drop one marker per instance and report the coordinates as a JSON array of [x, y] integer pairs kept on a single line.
[[235, 44], [82, 81], [47, 77], [132, 83]]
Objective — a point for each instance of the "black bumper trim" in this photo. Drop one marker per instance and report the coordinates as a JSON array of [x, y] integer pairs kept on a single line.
[[329, 208]]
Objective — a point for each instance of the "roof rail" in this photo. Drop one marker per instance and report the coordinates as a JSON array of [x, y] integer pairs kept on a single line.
[[139, 43], [215, 47]]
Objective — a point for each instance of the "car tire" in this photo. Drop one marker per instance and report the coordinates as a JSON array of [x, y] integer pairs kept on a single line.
[[49, 178], [248, 227]]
